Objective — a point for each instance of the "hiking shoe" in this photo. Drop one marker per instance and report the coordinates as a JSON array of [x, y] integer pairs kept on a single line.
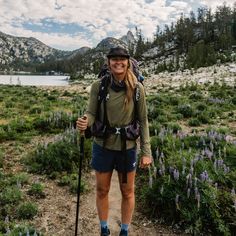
[[123, 233], [105, 231]]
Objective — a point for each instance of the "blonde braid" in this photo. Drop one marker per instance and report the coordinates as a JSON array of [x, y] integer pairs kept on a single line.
[[130, 82]]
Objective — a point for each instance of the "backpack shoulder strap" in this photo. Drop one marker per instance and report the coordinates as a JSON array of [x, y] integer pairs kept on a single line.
[[136, 98], [103, 96]]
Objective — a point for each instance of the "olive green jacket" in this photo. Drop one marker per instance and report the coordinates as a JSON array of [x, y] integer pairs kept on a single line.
[[120, 116]]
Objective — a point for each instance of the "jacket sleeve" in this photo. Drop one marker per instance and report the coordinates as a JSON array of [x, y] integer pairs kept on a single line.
[[143, 119], [92, 103]]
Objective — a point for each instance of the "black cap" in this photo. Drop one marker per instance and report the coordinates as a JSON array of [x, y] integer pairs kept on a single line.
[[118, 52]]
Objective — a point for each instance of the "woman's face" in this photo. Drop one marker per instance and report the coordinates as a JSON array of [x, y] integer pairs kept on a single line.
[[118, 65]]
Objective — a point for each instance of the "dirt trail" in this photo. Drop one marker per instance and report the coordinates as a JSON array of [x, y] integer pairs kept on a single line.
[[56, 215], [138, 227]]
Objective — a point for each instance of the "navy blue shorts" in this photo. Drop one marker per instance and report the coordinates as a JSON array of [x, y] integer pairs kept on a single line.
[[105, 160]]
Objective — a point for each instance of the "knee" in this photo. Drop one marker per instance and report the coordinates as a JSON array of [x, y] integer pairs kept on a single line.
[[102, 192], [127, 193]]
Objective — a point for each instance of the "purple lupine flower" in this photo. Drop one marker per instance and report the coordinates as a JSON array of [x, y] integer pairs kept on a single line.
[[162, 155], [155, 131], [171, 169], [188, 192], [204, 176], [18, 184], [180, 151], [183, 170], [150, 181], [162, 190], [163, 168], [177, 201], [226, 169], [224, 151], [176, 174], [160, 172], [6, 221], [195, 182], [191, 163], [196, 159], [203, 152], [8, 231], [157, 152], [216, 185], [155, 171], [195, 192], [215, 165], [189, 181], [202, 140], [191, 170], [233, 192], [211, 146], [219, 163], [198, 197], [219, 152], [208, 153]]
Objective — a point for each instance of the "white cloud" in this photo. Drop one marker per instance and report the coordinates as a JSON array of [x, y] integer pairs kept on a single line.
[[214, 3], [97, 18]]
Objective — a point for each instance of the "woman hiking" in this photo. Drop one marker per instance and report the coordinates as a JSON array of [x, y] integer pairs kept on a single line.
[[114, 145]]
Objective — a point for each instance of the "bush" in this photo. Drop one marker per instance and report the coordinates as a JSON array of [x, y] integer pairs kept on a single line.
[[27, 210], [61, 155], [10, 195], [174, 101], [23, 230], [20, 178], [35, 110], [194, 122], [154, 128], [191, 184], [196, 96], [174, 127], [74, 186], [204, 117], [201, 107], [37, 190], [186, 110], [233, 100]]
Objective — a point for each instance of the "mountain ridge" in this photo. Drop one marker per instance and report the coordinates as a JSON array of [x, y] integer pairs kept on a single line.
[[17, 50]]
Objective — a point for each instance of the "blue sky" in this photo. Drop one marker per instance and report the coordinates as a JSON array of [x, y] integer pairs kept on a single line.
[[71, 24]]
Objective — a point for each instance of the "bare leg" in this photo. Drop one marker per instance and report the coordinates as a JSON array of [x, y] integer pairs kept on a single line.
[[128, 197], [103, 181]]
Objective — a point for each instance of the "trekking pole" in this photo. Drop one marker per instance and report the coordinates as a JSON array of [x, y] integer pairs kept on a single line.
[[81, 146]]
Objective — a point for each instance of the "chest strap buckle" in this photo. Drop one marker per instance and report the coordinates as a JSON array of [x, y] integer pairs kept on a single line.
[[117, 130]]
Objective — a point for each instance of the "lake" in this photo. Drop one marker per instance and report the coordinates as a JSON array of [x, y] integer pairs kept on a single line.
[[34, 80]]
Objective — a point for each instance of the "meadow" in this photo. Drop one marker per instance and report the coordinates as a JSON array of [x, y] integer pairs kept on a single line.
[[190, 186]]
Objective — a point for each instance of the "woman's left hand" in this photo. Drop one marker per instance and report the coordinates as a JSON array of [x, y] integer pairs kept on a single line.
[[145, 161]]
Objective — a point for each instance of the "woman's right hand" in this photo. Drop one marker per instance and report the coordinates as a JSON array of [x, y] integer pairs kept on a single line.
[[82, 123]]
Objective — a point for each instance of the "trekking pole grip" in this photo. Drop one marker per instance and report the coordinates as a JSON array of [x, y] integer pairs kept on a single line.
[[82, 132]]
